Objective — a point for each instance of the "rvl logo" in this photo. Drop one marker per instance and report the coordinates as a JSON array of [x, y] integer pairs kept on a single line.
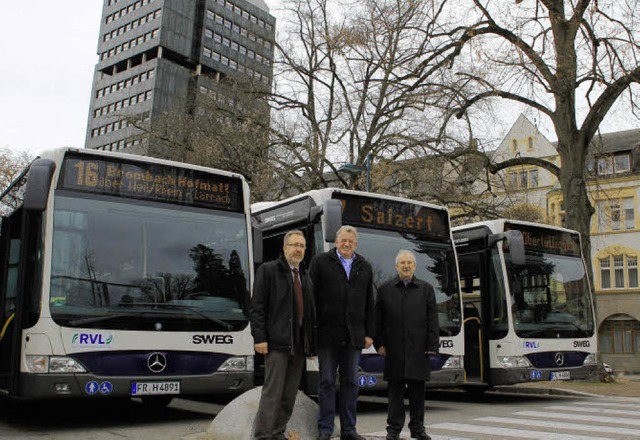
[[91, 339]]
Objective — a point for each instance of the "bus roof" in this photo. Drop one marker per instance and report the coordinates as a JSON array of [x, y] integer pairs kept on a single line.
[[497, 226], [58, 154], [319, 196]]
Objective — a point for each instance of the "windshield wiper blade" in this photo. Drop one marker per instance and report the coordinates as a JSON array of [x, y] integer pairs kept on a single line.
[[582, 331], [535, 332], [93, 319], [225, 325]]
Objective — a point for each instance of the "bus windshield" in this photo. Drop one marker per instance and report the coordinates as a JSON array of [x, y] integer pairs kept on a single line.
[[125, 264], [550, 296], [434, 263]]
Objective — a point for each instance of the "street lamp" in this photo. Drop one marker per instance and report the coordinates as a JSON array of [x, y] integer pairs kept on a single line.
[[355, 170]]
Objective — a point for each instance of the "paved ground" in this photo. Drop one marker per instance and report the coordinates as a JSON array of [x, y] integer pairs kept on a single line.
[[623, 386]]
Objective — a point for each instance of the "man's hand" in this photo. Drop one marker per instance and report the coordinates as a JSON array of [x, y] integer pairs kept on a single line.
[[367, 342], [262, 348], [382, 350]]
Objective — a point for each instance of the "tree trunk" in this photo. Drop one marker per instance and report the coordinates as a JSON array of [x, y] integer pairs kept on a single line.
[[578, 207]]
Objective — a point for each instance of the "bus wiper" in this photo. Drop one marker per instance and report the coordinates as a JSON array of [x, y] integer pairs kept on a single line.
[[225, 325], [582, 331], [535, 332], [93, 319]]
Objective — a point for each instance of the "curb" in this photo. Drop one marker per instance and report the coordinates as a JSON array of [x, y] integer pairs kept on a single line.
[[543, 391]]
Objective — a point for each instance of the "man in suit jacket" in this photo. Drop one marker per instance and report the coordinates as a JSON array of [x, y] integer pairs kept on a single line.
[[283, 327], [343, 290], [408, 331]]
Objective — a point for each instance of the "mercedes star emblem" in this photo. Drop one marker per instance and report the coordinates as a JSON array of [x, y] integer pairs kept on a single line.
[[157, 362], [559, 359]]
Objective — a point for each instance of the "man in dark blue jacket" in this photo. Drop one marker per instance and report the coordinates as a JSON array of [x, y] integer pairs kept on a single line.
[[408, 332], [343, 288], [282, 317]]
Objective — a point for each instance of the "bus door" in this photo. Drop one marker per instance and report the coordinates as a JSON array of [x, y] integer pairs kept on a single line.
[[486, 315], [11, 241], [472, 266]]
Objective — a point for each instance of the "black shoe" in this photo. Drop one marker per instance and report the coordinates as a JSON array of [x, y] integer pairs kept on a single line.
[[352, 436], [324, 437], [393, 437], [422, 436]]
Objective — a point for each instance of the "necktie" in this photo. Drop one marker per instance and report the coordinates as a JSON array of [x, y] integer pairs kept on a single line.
[[297, 289]]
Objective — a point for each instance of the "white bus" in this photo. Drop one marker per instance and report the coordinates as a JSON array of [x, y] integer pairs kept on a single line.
[[385, 225], [124, 275], [528, 306]]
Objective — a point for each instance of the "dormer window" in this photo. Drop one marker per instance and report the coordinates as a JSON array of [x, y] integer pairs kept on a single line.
[[621, 163], [616, 164]]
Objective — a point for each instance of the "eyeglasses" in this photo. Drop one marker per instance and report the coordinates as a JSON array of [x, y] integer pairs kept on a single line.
[[297, 245]]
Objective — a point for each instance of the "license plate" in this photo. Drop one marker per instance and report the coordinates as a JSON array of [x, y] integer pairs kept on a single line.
[[154, 388], [560, 375]]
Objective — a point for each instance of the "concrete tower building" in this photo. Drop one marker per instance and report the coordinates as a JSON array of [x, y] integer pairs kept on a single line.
[[155, 54]]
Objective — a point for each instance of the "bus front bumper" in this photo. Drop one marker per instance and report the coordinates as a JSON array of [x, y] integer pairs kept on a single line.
[[46, 386], [512, 376]]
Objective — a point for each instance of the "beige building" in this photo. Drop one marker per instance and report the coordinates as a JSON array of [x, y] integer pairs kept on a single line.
[[614, 188]]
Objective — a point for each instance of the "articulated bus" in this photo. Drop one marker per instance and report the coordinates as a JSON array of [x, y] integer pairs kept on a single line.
[[528, 306], [385, 225], [124, 275]]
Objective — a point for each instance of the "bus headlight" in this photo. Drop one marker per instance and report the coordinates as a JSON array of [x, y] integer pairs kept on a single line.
[[239, 363], [63, 364], [591, 359], [37, 364], [456, 362], [514, 362], [53, 364]]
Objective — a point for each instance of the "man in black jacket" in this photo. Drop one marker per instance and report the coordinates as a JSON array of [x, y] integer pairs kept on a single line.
[[283, 327], [408, 330], [343, 289]]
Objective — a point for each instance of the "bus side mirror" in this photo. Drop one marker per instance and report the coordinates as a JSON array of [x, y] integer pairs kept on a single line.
[[332, 219], [515, 242], [38, 184], [257, 246]]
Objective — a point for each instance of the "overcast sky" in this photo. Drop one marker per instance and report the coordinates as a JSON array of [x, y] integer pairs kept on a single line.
[[47, 57]]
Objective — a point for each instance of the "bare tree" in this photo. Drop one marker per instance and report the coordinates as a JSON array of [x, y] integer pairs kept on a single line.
[[345, 88], [12, 164], [569, 61], [225, 126]]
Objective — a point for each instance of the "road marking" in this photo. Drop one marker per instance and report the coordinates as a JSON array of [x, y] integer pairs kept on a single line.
[[608, 404], [556, 425], [581, 417], [620, 412], [509, 432], [406, 436]]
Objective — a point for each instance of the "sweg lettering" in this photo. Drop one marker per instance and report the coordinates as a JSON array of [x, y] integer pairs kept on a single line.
[[212, 339], [446, 343], [91, 339], [531, 345], [577, 344]]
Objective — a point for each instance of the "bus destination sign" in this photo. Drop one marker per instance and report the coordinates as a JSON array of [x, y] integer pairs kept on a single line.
[[150, 181], [548, 240], [393, 215]]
